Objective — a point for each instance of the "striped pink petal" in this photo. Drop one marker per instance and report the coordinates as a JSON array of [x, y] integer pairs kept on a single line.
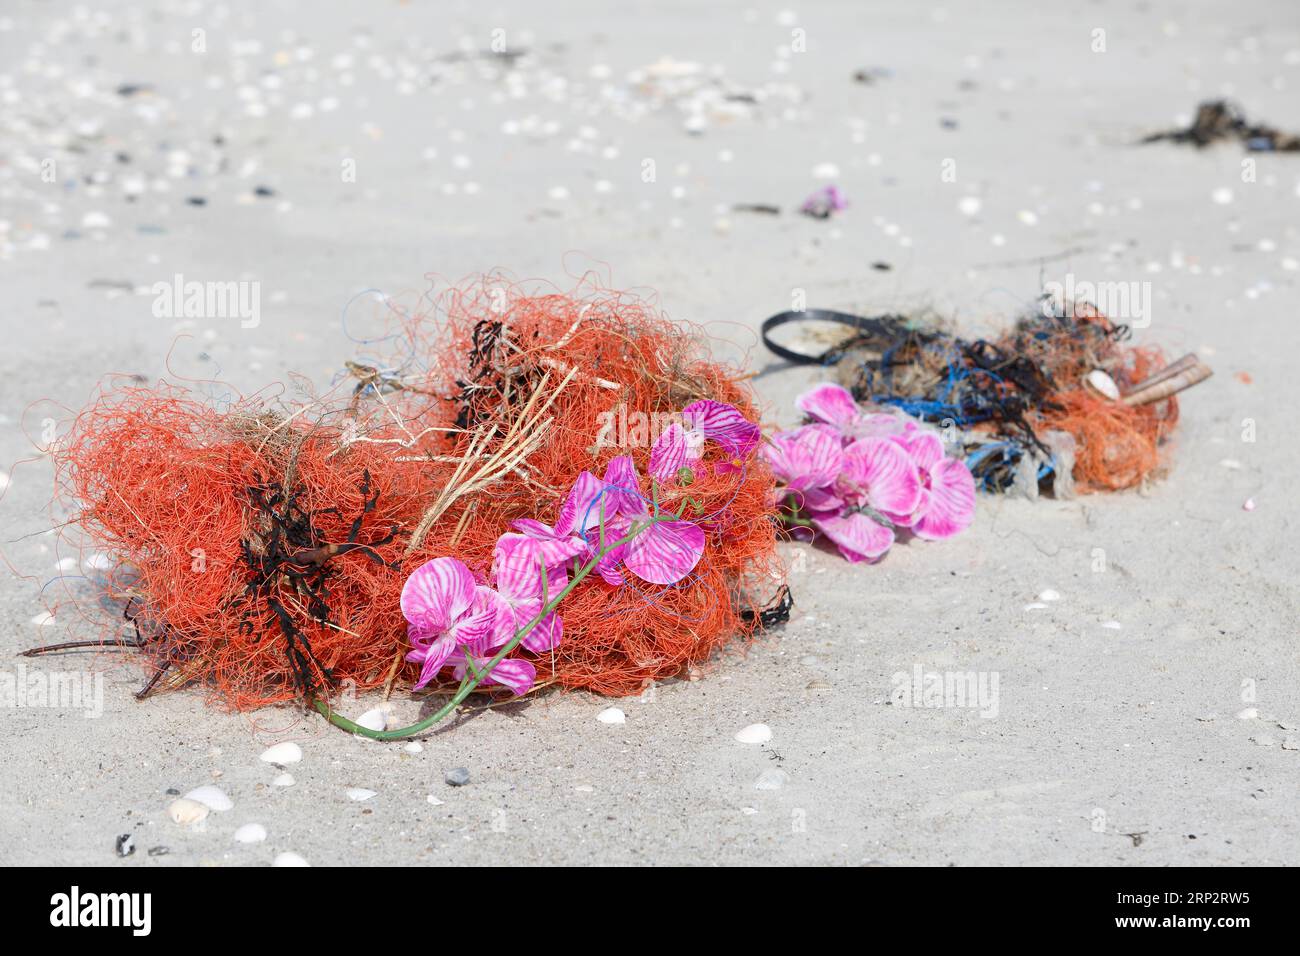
[[669, 454], [948, 505], [436, 594], [518, 560], [808, 457], [723, 424], [431, 657], [489, 625], [858, 537], [665, 552], [515, 673], [546, 634], [829, 403], [883, 471], [623, 490], [925, 447], [581, 508]]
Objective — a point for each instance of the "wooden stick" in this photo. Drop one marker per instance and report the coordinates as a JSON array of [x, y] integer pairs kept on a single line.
[[1169, 371], [1193, 375]]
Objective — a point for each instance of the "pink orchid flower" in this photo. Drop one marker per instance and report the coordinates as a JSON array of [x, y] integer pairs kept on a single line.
[[568, 538], [664, 553], [680, 446], [515, 673], [807, 459], [517, 566], [878, 475], [834, 405], [446, 608], [946, 504]]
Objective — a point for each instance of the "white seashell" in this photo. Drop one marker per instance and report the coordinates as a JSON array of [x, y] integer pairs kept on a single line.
[[287, 752], [414, 747], [969, 205], [754, 734], [1112, 625], [283, 780], [1037, 606], [1248, 504], [1249, 713], [185, 812], [250, 833], [360, 793], [211, 797], [1049, 595], [1102, 384], [771, 779], [612, 715], [99, 561], [434, 800], [290, 859], [4, 481], [66, 564], [44, 619], [374, 719]]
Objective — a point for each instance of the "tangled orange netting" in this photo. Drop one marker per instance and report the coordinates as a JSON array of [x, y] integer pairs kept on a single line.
[[260, 549]]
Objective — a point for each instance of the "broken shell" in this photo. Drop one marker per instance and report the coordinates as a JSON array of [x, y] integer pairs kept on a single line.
[[210, 797], [185, 812], [754, 734], [250, 833], [1101, 383], [287, 752]]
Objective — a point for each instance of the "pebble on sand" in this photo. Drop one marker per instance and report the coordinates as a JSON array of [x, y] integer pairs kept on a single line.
[[754, 734], [210, 797], [250, 833], [290, 859], [185, 812], [1049, 595], [1249, 713], [456, 777], [285, 753], [414, 747], [612, 715]]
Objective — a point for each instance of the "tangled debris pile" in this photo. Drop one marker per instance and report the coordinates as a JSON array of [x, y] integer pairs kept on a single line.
[[1060, 400]]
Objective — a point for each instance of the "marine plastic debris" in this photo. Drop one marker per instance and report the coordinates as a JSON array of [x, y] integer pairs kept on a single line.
[[1060, 400]]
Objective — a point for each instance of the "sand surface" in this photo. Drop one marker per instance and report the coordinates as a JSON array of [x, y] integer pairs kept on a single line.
[[1109, 745]]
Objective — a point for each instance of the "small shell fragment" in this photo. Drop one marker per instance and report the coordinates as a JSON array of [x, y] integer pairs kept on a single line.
[[210, 797], [285, 753], [185, 812], [754, 734], [1101, 383]]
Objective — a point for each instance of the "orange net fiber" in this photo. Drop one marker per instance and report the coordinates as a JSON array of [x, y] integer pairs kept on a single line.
[[260, 550]]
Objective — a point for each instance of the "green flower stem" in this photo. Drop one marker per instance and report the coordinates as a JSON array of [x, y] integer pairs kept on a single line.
[[473, 676]]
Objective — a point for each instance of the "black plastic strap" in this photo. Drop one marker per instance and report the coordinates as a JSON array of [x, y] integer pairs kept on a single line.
[[874, 326]]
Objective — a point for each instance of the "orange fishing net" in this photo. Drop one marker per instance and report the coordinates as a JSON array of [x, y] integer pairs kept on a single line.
[[260, 549]]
